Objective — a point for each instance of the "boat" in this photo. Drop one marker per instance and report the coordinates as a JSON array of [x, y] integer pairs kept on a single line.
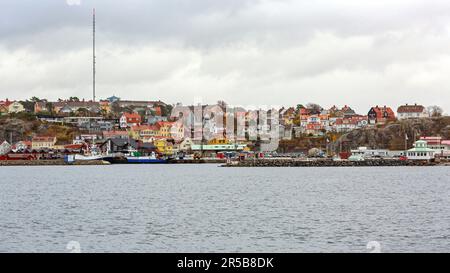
[[145, 160], [88, 157], [136, 158]]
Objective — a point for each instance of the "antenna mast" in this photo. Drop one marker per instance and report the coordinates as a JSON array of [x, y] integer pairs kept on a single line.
[[93, 56]]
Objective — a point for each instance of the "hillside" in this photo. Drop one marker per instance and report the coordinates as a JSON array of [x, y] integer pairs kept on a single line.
[[25, 127], [392, 136]]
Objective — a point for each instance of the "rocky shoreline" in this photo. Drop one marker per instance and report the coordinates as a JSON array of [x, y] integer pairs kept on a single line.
[[330, 163]]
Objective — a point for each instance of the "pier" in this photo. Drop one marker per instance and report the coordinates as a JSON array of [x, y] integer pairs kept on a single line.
[[331, 163]]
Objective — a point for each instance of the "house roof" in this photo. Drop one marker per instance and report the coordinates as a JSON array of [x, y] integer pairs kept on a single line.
[[6, 103], [43, 139], [145, 127], [411, 109], [381, 110], [132, 115], [74, 104], [107, 134]]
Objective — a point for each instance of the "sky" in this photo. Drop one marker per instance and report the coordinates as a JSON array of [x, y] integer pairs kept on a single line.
[[360, 53]]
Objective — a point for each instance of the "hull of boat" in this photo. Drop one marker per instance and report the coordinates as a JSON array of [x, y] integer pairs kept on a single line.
[[145, 160], [94, 157]]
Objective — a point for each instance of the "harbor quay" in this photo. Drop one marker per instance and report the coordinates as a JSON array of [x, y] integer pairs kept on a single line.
[[333, 163]]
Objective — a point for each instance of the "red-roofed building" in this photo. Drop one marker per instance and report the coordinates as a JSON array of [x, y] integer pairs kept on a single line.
[[441, 146], [128, 120], [411, 111], [145, 133], [115, 134], [4, 106], [43, 142], [380, 115]]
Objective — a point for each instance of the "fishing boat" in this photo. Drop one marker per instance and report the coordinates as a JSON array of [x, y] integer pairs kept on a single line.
[[88, 157], [136, 158]]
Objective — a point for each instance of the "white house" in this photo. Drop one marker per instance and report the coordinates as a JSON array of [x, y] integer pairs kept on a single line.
[[5, 148], [411, 111], [16, 107], [370, 153], [421, 151], [441, 146]]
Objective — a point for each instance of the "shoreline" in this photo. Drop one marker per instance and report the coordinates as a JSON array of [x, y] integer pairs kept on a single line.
[[259, 163]]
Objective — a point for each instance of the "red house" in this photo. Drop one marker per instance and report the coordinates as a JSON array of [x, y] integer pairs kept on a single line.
[[380, 115], [130, 119]]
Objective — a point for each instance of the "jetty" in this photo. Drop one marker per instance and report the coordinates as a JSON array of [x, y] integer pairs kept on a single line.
[[330, 163]]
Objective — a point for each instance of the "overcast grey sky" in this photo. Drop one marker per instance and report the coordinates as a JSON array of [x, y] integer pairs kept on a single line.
[[247, 52]]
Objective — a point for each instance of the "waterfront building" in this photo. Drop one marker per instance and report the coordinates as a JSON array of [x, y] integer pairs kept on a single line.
[[421, 151], [5, 148], [411, 111], [43, 142], [21, 146], [183, 145], [441, 146], [370, 153], [218, 148], [163, 146], [145, 133]]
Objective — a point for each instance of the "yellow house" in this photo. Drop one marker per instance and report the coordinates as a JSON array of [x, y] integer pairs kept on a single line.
[[16, 107], [163, 146], [43, 143], [145, 133], [218, 141], [164, 128], [3, 109], [105, 106]]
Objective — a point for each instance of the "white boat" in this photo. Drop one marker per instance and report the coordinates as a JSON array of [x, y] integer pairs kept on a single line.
[[88, 157]]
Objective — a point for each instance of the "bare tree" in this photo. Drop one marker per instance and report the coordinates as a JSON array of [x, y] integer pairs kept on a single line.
[[435, 111], [314, 108]]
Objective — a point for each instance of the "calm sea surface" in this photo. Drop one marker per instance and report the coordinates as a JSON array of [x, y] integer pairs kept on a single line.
[[205, 208]]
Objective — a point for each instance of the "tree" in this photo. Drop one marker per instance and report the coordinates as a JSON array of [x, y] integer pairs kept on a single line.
[[299, 106], [35, 99], [435, 111], [314, 108], [82, 112], [115, 108], [166, 110], [50, 108], [222, 104], [74, 99]]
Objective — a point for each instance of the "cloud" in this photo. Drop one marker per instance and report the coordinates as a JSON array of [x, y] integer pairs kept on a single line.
[[73, 2], [246, 52]]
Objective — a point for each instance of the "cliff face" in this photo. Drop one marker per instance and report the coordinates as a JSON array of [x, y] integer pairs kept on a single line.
[[15, 129], [392, 136]]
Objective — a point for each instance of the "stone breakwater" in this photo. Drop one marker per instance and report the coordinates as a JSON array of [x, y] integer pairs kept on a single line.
[[55, 162], [328, 163]]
